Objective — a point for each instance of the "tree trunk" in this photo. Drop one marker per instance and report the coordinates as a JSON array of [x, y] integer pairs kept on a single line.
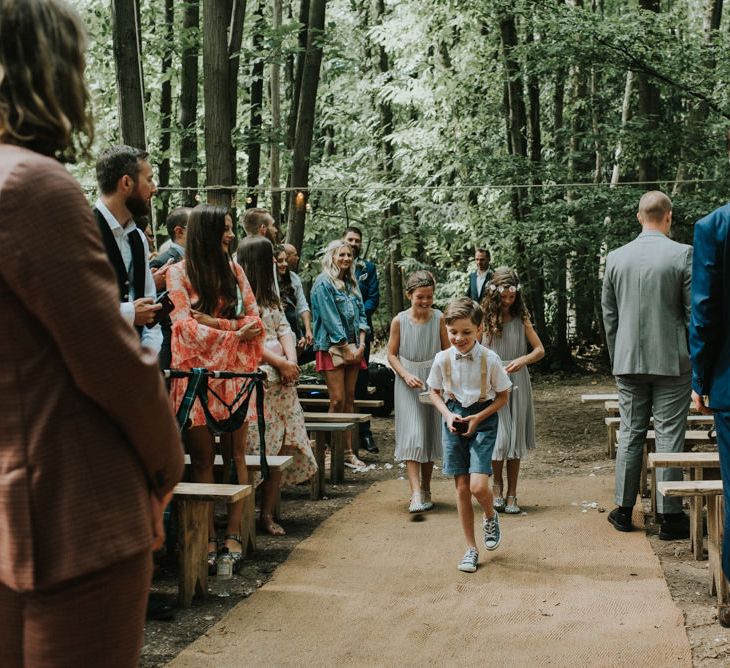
[[305, 124], [129, 73], [650, 110], [257, 99], [163, 169], [189, 103], [625, 117], [275, 84], [216, 71], [304, 21]]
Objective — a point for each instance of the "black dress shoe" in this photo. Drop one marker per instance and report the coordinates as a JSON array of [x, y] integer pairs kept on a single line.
[[675, 526], [621, 518], [368, 442], [159, 610]]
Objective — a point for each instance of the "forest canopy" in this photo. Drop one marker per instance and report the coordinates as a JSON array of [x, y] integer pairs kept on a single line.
[[530, 127]]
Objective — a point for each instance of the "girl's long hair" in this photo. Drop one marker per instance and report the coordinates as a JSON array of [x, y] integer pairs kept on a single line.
[[332, 271], [256, 256], [208, 267], [286, 289], [492, 302]]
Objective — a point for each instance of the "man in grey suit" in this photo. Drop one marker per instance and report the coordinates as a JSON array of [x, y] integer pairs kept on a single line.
[[646, 309]]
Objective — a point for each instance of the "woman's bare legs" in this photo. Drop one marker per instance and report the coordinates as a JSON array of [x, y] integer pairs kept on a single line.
[[268, 500], [235, 510], [513, 471], [426, 473], [498, 482], [341, 388]]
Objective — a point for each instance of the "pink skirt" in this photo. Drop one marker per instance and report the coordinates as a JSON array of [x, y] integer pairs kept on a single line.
[[323, 362]]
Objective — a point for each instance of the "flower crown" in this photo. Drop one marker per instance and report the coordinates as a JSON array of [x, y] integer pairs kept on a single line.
[[501, 288]]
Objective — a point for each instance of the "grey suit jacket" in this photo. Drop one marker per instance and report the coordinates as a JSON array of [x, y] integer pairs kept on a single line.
[[646, 306]]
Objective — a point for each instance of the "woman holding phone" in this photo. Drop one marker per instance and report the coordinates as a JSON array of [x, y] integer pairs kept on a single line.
[[215, 325], [340, 326]]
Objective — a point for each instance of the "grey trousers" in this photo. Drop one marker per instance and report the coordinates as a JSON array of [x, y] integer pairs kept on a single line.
[[667, 398]]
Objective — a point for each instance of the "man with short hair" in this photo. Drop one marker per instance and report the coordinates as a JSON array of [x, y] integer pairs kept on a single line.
[[367, 279], [125, 180], [479, 279], [292, 256], [709, 341], [177, 228], [259, 222], [646, 311], [303, 310]]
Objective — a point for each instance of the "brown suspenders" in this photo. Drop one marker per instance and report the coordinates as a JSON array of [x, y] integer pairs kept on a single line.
[[447, 377]]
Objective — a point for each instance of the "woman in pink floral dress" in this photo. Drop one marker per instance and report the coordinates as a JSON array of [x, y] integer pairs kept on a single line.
[[209, 330], [285, 431]]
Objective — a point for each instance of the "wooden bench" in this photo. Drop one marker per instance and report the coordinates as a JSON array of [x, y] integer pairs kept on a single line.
[[613, 424], [192, 500], [697, 463], [324, 403], [253, 463], [311, 416], [711, 491], [312, 387], [585, 398], [318, 431], [692, 437]]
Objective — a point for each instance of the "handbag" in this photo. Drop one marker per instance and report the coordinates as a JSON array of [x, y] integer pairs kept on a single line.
[[343, 354]]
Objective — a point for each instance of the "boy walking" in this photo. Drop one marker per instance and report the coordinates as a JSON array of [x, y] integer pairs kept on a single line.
[[468, 386]]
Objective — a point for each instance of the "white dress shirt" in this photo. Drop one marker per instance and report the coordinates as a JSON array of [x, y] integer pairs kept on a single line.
[[480, 278], [151, 336], [466, 374], [296, 283]]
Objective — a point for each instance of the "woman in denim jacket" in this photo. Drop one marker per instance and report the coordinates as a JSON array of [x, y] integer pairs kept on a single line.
[[339, 318]]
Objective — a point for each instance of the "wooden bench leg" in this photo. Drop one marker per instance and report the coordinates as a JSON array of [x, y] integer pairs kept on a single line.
[[695, 519], [317, 480], [337, 470], [193, 551], [248, 524], [611, 428], [723, 588]]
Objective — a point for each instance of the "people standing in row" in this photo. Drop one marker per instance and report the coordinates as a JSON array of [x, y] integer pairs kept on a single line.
[[293, 300], [646, 312], [126, 183], [478, 279], [468, 387], [340, 328], [416, 336], [215, 325], [285, 430], [90, 449], [709, 340], [367, 279], [508, 331]]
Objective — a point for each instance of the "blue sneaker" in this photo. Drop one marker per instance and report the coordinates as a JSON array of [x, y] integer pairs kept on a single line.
[[468, 563], [492, 532]]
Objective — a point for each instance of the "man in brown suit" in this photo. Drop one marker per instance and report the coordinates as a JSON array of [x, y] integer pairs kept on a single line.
[[89, 449]]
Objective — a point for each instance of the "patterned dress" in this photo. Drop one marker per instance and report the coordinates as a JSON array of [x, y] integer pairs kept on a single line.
[[285, 431], [417, 425], [195, 345], [516, 433]]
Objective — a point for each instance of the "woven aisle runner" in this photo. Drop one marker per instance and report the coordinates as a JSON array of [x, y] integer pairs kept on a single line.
[[372, 588]]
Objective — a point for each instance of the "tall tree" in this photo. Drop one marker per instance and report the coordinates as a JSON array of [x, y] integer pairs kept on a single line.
[[253, 142], [163, 170], [650, 111], [216, 95], [128, 64], [189, 103], [305, 123], [275, 94]]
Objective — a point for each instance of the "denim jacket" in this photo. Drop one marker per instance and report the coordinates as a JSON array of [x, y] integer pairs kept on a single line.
[[338, 316]]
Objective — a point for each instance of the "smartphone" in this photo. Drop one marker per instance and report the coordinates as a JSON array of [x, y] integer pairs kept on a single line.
[[461, 427], [167, 307]]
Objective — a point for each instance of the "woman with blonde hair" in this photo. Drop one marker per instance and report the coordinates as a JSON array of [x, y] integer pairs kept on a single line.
[[340, 326]]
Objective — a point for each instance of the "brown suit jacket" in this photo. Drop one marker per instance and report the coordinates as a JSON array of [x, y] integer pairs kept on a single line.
[[86, 430]]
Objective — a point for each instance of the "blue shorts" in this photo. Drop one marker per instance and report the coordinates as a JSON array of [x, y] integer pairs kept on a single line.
[[472, 454]]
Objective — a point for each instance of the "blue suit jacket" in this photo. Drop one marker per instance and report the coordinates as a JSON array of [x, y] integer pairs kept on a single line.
[[472, 292], [709, 333]]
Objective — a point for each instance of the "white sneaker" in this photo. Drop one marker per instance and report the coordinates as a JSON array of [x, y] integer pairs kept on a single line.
[[469, 561]]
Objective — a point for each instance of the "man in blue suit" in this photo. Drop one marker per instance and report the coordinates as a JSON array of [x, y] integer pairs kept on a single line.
[[709, 339], [367, 279]]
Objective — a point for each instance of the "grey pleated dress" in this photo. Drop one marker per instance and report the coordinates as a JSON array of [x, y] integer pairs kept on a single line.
[[516, 433], [417, 425]]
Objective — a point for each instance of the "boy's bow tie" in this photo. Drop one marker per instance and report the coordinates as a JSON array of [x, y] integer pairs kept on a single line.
[[468, 356]]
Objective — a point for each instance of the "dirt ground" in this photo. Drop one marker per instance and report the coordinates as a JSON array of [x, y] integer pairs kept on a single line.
[[571, 440]]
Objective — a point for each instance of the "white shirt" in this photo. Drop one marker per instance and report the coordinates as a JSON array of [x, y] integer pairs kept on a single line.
[[151, 336], [480, 278], [466, 375], [296, 283]]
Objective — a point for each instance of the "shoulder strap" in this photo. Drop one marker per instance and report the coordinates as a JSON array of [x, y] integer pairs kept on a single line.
[[114, 254], [483, 388], [447, 375]]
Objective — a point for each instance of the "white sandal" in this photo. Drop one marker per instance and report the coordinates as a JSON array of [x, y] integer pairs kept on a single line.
[[417, 505], [512, 508]]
